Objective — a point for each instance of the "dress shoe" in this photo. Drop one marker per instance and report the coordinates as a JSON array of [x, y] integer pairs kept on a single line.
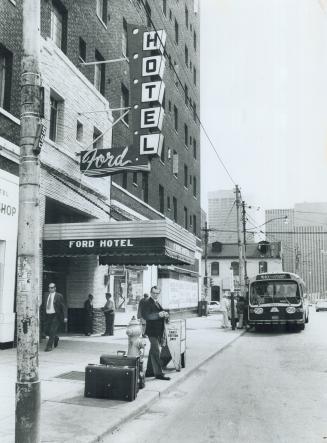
[[149, 374], [104, 335], [162, 377], [56, 341], [48, 349]]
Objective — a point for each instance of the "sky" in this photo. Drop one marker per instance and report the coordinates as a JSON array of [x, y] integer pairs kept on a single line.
[[264, 99]]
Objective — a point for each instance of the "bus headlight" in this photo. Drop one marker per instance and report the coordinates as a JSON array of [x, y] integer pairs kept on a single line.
[[290, 310], [258, 310]]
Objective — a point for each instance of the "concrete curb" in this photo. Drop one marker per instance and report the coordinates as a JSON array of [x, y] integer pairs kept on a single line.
[[157, 394]]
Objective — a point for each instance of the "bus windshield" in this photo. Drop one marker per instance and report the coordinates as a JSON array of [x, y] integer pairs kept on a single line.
[[274, 292]]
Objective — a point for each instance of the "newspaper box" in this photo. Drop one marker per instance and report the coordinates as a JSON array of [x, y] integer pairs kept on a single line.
[[176, 342]]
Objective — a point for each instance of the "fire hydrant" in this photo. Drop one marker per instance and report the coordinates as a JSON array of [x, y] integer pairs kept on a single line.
[[136, 346]]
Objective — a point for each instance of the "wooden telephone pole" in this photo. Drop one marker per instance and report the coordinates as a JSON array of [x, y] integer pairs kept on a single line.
[[27, 427]]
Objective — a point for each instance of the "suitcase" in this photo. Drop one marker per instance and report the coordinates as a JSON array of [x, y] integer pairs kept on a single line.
[[115, 383], [122, 360]]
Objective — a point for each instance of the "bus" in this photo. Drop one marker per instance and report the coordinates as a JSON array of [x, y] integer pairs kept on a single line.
[[277, 299]]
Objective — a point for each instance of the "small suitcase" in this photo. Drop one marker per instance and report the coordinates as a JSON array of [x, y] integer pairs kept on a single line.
[[115, 383], [122, 360]]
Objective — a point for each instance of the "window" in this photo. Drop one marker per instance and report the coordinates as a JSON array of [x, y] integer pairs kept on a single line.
[[148, 14], [170, 15], [175, 164], [194, 224], [82, 49], [186, 94], [135, 178], [97, 139], [99, 73], [124, 48], [175, 209], [194, 148], [161, 199], [185, 176], [162, 155], [145, 187], [124, 102], [168, 203], [235, 267], [191, 220], [58, 29], [169, 106], [124, 180], [186, 134], [263, 266], [215, 268], [79, 131], [194, 187], [194, 75], [194, 112], [194, 40], [164, 7], [175, 118], [5, 77], [101, 8], [176, 70], [54, 104], [176, 32], [185, 218], [186, 16], [164, 101], [186, 55]]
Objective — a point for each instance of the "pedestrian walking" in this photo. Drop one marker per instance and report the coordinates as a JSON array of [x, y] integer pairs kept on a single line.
[[155, 318], [88, 315], [223, 310], [53, 311], [140, 313], [109, 313]]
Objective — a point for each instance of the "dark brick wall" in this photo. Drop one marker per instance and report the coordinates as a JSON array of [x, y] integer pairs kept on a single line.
[[83, 22]]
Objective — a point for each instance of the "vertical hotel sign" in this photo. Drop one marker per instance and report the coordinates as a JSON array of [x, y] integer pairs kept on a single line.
[[147, 64]]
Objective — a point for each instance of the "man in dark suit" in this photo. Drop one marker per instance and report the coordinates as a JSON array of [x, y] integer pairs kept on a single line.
[[155, 318], [88, 315], [53, 311], [140, 313]]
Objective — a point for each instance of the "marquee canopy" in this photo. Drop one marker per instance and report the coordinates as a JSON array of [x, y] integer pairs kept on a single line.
[[146, 242]]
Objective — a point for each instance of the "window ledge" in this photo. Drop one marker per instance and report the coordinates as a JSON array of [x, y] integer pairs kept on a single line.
[[9, 115], [186, 188], [13, 2], [163, 163], [102, 22]]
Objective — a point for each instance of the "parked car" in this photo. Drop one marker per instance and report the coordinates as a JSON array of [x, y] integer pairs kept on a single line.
[[321, 305], [213, 306]]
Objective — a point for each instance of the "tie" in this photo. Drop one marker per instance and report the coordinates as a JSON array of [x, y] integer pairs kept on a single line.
[[49, 303]]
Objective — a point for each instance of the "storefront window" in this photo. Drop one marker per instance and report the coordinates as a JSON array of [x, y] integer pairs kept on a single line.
[[128, 288]]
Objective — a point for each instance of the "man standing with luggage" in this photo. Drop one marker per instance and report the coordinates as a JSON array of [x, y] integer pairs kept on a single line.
[[53, 310], [155, 318]]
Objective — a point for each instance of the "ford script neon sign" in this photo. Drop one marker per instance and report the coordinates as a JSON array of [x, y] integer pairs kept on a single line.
[[147, 65]]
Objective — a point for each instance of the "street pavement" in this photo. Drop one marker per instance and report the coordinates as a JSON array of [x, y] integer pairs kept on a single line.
[[66, 416], [267, 387]]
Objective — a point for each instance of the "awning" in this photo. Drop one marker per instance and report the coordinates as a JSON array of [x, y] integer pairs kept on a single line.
[[149, 242]]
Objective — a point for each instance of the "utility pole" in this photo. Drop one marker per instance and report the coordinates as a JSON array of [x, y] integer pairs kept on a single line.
[[240, 248], [27, 426], [244, 241], [206, 240]]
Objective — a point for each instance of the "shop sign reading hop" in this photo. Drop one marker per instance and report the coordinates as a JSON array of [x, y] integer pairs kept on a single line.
[[147, 64]]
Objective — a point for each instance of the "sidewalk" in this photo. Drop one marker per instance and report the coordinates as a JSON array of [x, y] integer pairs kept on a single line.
[[66, 416]]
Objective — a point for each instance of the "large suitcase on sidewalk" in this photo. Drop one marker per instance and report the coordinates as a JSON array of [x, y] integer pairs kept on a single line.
[[115, 383], [122, 360]]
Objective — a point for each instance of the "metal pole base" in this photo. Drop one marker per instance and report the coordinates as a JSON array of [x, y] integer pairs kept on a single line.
[[28, 402]]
